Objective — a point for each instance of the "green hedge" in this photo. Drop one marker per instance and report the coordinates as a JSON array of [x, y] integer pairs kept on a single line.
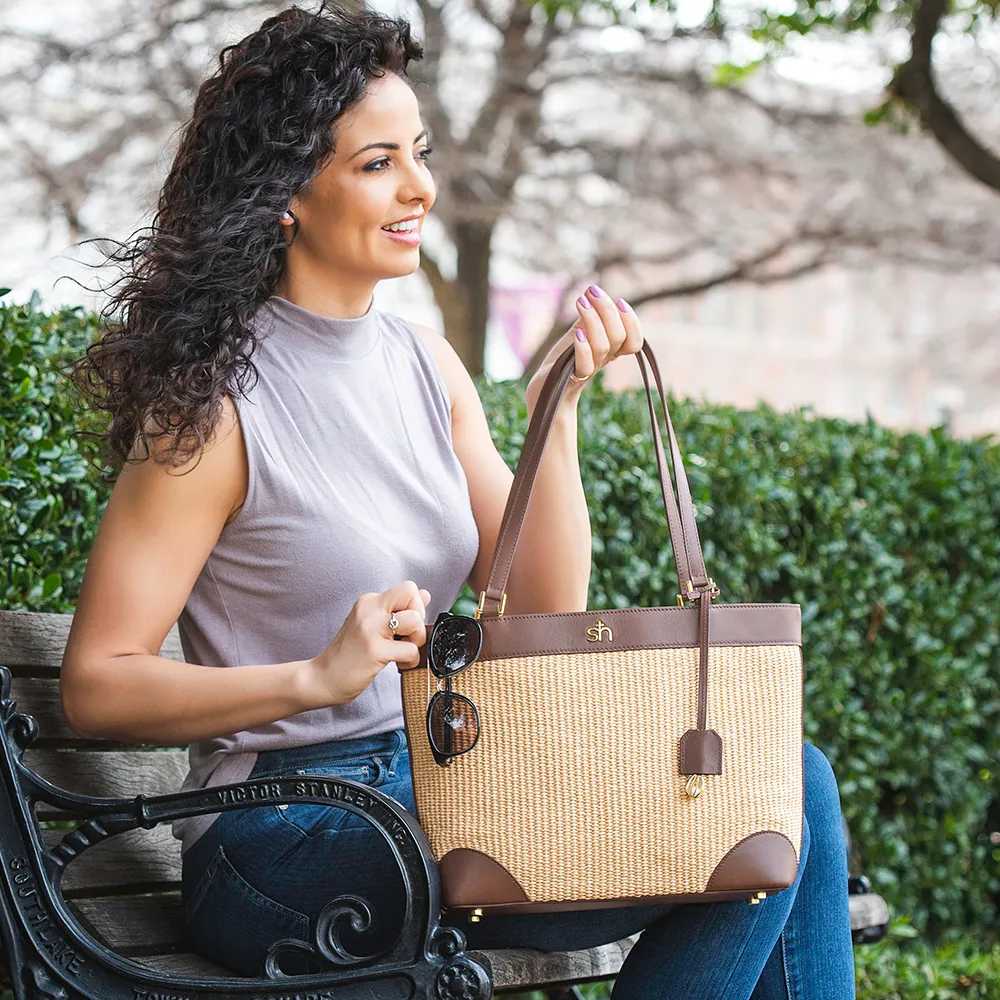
[[890, 542], [51, 497], [897, 969]]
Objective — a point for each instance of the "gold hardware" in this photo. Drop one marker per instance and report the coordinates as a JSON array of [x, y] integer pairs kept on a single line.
[[595, 631], [756, 898], [475, 916], [753, 900], [694, 785], [482, 601], [762, 894], [692, 596]]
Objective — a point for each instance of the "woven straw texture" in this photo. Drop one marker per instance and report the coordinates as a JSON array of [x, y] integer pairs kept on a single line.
[[574, 786]]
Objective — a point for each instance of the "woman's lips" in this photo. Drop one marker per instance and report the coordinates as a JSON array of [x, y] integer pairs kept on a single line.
[[410, 239]]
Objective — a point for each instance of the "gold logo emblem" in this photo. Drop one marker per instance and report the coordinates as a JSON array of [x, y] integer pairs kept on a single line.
[[596, 632]]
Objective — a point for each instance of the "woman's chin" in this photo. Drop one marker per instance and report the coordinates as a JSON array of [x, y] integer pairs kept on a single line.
[[401, 268]]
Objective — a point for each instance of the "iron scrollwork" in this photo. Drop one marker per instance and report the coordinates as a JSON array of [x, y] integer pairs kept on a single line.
[[61, 961]]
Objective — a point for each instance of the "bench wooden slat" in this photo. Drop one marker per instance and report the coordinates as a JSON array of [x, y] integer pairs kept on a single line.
[[36, 639], [39, 698], [152, 925], [137, 858], [530, 967], [184, 963], [517, 967], [116, 773], [135, 925]]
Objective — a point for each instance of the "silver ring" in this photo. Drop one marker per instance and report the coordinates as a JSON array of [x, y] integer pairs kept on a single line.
[[393, 624]]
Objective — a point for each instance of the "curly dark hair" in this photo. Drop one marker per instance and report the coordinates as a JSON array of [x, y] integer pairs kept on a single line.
[[176, 335]]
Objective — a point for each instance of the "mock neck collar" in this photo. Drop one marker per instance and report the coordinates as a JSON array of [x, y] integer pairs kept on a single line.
[[330, 338]]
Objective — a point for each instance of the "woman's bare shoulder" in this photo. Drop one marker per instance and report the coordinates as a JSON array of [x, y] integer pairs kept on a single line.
[[454, 372]]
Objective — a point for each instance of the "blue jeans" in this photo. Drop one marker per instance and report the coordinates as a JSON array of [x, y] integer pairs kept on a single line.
[[264, 873]]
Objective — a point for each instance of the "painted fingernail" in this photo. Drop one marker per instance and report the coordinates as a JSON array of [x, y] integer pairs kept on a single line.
[[584, 304], [580, 335], [623, 306], [595, 291]]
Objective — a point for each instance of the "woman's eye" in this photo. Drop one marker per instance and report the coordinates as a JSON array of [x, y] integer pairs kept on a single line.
[[375, 167]]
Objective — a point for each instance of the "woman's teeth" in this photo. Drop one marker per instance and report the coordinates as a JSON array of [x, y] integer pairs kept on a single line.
[[402, 227]]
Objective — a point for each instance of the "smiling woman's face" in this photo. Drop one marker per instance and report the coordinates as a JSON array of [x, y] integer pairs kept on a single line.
[[341, 239]]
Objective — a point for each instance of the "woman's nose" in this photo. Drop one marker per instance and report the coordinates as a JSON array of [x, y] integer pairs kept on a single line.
[[419, 187]]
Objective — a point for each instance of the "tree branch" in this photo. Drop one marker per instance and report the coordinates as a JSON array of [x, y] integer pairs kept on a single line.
[[738, 272], [914, 84], [745, 270], [438, 282]]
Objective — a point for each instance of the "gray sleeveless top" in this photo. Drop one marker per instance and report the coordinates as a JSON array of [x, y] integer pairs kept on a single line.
[[353, 486]]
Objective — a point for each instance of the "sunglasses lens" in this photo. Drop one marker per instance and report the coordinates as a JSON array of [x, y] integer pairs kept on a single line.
[[455, 643], [453, 723]]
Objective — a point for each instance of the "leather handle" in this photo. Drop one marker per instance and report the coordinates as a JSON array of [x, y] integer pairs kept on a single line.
[[693, 563], [679, 507]]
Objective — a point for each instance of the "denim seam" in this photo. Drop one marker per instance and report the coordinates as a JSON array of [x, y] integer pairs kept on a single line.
[[743, 950], [350, 763], [282, 814], [792, 979], [396, 753], [203, 883], [784, 965], [240, 885], [351, 773], [287, 759], [249, 892]]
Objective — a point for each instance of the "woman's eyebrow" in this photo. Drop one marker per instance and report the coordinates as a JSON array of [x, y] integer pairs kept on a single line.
[[384, 145]]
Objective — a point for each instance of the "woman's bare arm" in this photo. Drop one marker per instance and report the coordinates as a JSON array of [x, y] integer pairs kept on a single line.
[[156, 533]]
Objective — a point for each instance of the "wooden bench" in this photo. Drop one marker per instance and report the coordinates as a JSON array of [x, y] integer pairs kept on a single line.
[[92, 909]]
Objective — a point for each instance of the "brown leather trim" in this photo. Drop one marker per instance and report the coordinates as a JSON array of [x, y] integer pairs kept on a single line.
[[681, 521], [694, 570], [561, 906], [762, 860], [701, 752], [704, 604], [471, 878], [636, 628]]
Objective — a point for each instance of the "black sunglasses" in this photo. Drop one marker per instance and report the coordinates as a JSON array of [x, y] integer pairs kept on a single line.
[[452, 719]]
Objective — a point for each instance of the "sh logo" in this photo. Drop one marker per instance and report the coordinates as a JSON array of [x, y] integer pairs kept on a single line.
[[597, 632]]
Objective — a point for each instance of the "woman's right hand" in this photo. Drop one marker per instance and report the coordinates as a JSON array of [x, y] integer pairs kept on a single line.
[[364, 644]]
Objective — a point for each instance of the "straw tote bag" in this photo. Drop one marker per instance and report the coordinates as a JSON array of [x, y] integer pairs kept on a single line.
[[622, 756]]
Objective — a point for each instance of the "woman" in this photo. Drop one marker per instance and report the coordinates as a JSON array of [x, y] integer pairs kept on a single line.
[[285, 522]]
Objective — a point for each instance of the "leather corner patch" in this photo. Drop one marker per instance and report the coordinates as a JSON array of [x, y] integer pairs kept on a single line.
[[701, 752], [760, 861], [472, 878]]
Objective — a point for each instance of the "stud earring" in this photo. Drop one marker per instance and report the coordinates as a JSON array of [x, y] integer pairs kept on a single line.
[[289, 215]]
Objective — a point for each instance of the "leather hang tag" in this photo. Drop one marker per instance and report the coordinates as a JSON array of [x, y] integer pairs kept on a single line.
[[701, 752]]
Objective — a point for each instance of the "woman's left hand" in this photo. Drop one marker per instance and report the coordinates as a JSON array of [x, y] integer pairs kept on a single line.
[[609, 329]]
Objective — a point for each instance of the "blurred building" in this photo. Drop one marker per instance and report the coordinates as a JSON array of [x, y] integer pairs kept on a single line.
[[915, 349]]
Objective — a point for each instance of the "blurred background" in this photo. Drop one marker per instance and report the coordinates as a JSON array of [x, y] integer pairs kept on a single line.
[[800, 204], [800, 201]]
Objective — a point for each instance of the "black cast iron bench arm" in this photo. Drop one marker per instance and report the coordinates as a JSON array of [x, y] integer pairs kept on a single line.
[[59, 960]]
